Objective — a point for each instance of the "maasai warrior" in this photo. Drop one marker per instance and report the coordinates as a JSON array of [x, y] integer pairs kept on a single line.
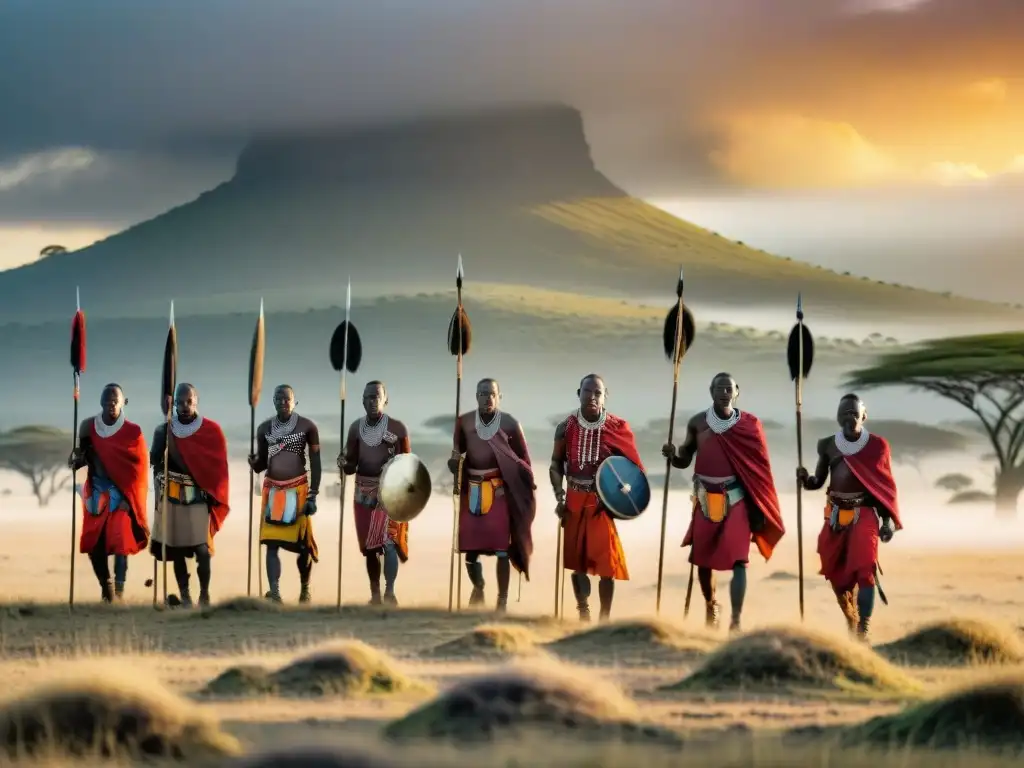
[[372, 442], [498, 500], [734, 497], [114, 494], [860, 509], [198, 500], [289, 496], [592, 546]]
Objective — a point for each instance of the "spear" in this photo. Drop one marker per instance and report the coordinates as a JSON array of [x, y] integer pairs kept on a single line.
[[78, 355], [800, 357], [255, 387], [167, 386], [460, 336], [346, 354], [677, 336]]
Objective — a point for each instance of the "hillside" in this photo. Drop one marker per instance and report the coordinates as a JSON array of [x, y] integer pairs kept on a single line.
[[515, 191]]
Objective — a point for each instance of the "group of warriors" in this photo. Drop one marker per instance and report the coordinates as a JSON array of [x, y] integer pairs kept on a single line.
[[734, 501]]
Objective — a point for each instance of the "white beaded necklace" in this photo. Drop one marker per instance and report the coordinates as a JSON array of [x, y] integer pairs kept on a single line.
[[373, 435], [850, 447], [182, 431], [107, 431], [279, 429], [486, 430], [717, 424], [588, 447]]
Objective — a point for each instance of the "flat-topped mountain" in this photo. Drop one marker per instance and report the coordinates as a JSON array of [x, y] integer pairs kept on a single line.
[[514, 190]]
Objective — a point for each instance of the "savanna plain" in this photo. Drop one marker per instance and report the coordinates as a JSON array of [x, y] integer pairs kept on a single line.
[[245, 682]]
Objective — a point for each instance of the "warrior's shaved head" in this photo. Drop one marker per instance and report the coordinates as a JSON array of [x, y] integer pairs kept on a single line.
[[851, 414], [376, 383], [488, 382], [186, 402], [592, 393], [284, 401], [375, 398], [853, 397], [112, 400]]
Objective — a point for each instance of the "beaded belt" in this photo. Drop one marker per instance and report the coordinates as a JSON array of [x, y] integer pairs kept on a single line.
[[580, 484], [182, 489]]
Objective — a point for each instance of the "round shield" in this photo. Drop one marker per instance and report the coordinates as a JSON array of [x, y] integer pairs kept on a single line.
[[404, 488], [623, 488]]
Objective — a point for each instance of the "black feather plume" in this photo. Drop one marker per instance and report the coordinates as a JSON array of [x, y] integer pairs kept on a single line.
[[793, 351], [170, 370], [669, 332], [457, 344], [355, 348]]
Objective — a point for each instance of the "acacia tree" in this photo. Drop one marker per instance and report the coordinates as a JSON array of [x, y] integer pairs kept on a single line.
[[40, 455], [985, 375]]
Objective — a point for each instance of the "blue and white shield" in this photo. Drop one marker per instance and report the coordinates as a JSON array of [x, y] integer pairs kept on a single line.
[[623, 488]]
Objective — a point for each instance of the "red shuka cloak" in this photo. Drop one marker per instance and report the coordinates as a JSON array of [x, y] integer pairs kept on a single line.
[[205, 454], [872, 465], [617, 436], [746, 447], [125, 458]]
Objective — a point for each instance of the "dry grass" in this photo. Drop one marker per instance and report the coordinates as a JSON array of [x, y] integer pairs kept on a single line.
[[489, 641], [643, 641], [985, 715], [798, 658], [957, 642], [350, 668], [541, 697], [100, 715]]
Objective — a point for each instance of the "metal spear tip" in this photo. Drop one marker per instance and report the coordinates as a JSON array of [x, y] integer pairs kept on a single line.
[[679, 284], [459, 273], [172, 311], [348, 295], [261, 306], [78, 298]]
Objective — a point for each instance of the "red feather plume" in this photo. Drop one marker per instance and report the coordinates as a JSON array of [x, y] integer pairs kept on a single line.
[[78, 346]]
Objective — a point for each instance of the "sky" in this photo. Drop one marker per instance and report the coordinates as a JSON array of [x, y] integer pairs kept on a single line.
[[885, 133]]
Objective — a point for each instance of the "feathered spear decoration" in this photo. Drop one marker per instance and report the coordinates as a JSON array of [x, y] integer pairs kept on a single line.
[[800, 358], [460, 338], [168, 382], [255, 388], [346, 355], [78, 357]]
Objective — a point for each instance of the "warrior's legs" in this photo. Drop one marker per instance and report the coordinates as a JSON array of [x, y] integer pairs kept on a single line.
[[390, 572], [581, 591], [865, 607], [605, 592], [373, 573], [847, 605], [204, 571], [305, 564], [737, 592], [101, 567], [475, 569], [706, 579], [274, 572], [182, 577], [120, 575], [503, 572]]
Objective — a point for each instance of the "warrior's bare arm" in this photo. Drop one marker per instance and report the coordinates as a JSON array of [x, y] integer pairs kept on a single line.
[[156, 452], [349, 459], [259, 464], [80, 456], [556, 472], [458, 446], [815, 481], [688, 449], [402, 433], [315, 470]]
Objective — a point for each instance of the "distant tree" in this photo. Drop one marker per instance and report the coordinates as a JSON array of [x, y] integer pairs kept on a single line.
[[985, 375], [40, 455], [445, 421], [955, 482], [972, 496], [52, 250]]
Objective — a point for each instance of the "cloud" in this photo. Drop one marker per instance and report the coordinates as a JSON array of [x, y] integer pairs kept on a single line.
[[787, 151], [51, 168], [665, 86]]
